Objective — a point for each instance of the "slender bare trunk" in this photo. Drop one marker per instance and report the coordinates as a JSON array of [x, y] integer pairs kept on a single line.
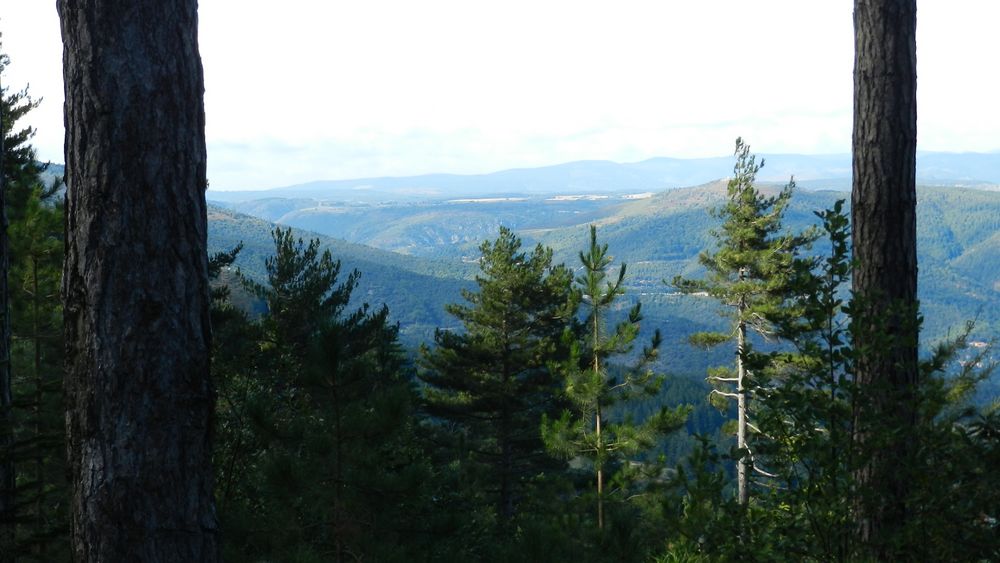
[[743, 492], [597, 429]]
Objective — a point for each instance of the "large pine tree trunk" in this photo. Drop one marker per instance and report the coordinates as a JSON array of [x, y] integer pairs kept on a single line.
[[885, 278], [135, 283]]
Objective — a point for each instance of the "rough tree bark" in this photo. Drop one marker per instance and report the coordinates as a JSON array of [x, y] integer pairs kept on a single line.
[[885, 277], [135, 283]]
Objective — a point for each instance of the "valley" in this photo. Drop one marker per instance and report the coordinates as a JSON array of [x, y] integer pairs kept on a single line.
[[416, 256]]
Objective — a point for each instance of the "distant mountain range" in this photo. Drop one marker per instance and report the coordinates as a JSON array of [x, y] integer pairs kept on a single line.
[[599, 176]]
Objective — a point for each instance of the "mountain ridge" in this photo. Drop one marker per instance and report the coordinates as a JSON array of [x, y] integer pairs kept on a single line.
[[605, 176]]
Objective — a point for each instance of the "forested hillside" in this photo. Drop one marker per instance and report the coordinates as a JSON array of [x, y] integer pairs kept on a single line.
[[414, 289], [956, 244], [659, 235]]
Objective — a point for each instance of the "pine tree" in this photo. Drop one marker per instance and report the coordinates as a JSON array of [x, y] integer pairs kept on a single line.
[[7, 479], [492, 380], [20, 165], [749, 273], [37, 245], [236, 351], [803, 411], [317, 435], [301, 294], [34, 239], [806, 430], [592, 385]]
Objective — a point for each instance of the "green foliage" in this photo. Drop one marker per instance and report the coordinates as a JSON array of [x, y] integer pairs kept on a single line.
[[322, 453], [751, 268], [36, 242], [35, 237], [415, 290], [301, 292], [804, 416], [316, 440], [705, 522], [660, 237], [592, 386], [803, 452], [489, 384], [956, 489], [808, 454], [21, 170], [751, 273]]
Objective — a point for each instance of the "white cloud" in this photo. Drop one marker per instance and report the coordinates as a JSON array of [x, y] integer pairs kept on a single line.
[[334, 89]]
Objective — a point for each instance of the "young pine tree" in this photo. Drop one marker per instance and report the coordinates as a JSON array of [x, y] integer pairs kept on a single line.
[[301, 294], [18, 169], [803, 414], [806, 432], [317, 457], [750, 274], [593, 385], [36, 238], [491, 382]]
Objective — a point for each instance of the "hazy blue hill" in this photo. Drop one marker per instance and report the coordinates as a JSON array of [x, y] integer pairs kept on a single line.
[[417, 230], [600, 176], [958, 245], [970, 169], [271, 208], [663, 235], [831, 170], [582, 176], [451, 229], [981, 262], [415, 290]]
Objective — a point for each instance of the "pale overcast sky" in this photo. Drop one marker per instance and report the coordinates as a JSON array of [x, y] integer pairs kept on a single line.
[[304, 90]]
